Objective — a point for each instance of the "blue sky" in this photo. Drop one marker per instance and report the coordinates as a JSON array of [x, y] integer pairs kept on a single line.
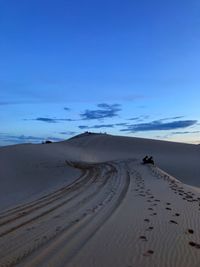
[[122, 67]]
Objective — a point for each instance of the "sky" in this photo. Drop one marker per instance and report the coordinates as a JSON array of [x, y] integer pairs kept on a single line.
[[123, 67]]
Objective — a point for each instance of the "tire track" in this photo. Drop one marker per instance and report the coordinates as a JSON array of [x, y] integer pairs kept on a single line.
[[22, 208], [90, 177], [31, 211], [70, 242], [98, 186]]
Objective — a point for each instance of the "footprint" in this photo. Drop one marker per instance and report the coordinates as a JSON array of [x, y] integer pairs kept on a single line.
[[143, 237], [148, 252], [193, 244], [150, 228], [172, 221]]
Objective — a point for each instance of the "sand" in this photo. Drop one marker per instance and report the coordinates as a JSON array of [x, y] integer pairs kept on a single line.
[[30, 171], [106, 208], [178, 159]]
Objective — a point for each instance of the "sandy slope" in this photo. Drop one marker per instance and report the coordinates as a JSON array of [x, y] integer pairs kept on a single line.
[[29, 171], [115, 214], [178, 159], [112, 211]]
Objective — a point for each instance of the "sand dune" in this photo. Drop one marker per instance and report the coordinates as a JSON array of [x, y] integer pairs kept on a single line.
[[29, 171], [112, 211], [178, 159]]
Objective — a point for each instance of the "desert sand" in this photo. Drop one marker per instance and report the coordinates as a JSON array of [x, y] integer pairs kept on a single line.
[[89, 201]]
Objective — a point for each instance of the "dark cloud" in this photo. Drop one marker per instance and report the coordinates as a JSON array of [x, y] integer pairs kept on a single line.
[[49, 120], [172, 118], [134, 119], [104, 105], [102, 126], [104, 111], [159, 126], [96, 126], [121, 124], [82, 127], [65, 120], [68, 133], [145, 117], [20, 139], [23, 138], [139, 118]]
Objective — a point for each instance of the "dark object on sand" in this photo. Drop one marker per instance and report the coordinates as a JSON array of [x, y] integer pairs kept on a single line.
[[172, 221], [147, 160], [193, 244], [47, 142], [190, 231]]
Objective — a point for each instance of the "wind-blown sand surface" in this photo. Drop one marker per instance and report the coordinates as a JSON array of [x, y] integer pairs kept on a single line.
[[98, 205]]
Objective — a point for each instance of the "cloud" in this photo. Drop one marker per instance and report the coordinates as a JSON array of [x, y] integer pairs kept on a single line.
[[172, 118], [134, 119], [49, 120], [82, 127], [65, 120], [139, 118], [104, 106], [68, 133], [162, 136], [96, 126], [186, 132], [20, 139], [145, 117], [121, 124], [5, 103], [105, 111], [159, 126]]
